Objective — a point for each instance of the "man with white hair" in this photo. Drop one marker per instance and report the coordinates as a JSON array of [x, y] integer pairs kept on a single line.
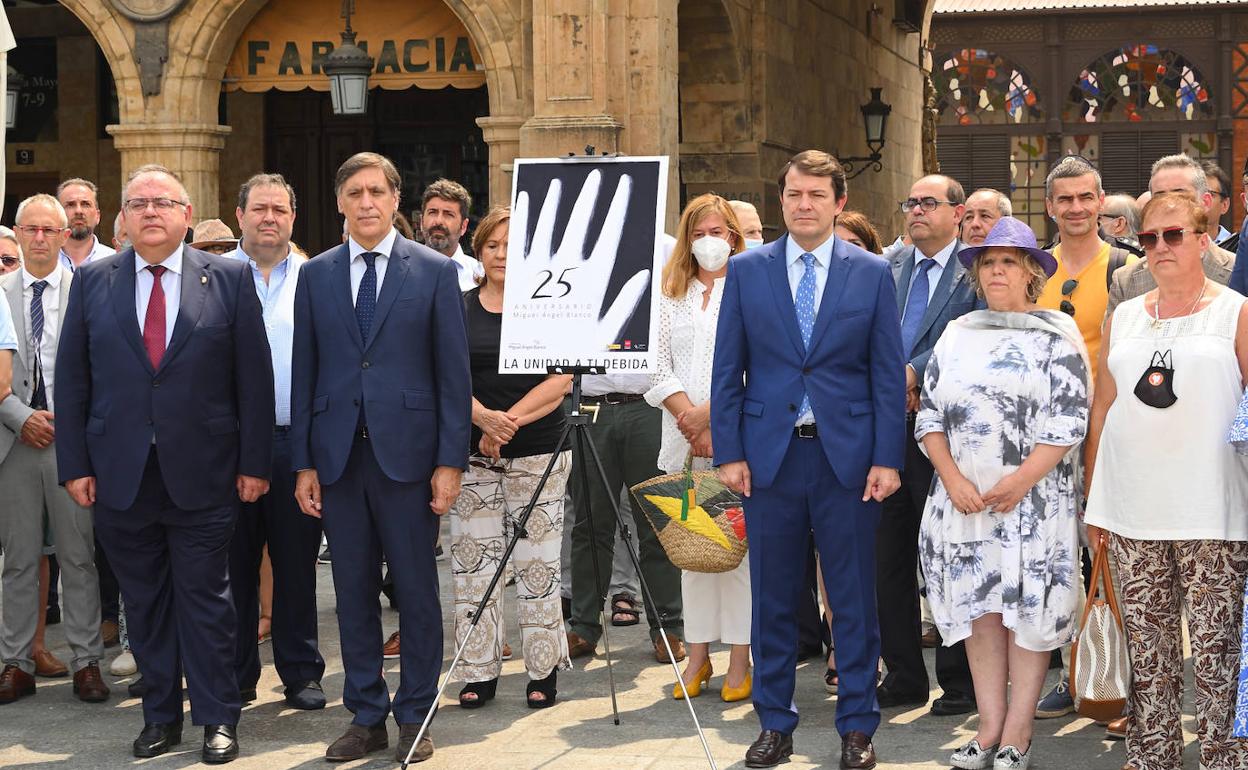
[[983, 208], [1174, 173], [36, 295], [10, 252], [751, 224]]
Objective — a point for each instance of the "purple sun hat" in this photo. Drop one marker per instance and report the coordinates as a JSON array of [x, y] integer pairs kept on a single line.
[[1011, 233]]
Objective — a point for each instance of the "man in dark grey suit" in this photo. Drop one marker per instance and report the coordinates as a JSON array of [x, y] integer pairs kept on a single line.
[[1173, 173], [932, 288], [36, 296]]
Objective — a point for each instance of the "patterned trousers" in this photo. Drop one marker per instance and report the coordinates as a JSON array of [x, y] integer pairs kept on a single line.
[[1159, 579], [482, 521]]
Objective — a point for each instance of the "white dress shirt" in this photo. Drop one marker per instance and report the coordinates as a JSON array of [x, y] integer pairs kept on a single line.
[[8, 334], [98, 251], [469, 269], [51, 302], [358, 266], [941, 258], [171, 282], [793, 259]]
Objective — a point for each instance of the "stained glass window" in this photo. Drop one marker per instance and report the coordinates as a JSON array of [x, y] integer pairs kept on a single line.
[[978, 86], [1139, 82]]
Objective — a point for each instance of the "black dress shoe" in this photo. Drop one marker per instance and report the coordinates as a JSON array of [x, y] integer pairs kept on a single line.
[[220, 744], [307, 697], [952, 704], [157, 738], [891, 698], [769, 750]]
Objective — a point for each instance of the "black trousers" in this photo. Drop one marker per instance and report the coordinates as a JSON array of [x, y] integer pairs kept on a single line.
[[293, 539], [897, 587]]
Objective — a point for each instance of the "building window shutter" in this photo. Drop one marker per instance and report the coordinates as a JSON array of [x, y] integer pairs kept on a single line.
[[1127, 158], [976, 160]]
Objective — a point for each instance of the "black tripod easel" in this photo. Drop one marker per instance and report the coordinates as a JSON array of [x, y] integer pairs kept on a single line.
[[577, 426]]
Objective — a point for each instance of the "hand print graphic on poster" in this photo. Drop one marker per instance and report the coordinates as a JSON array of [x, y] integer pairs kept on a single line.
[[584, 260]]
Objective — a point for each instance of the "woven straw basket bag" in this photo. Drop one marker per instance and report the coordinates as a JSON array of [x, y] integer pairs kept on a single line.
[[1100, 667]]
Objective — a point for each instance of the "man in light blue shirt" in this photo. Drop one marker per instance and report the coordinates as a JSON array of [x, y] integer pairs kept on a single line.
[[266, 217], [79, 199]]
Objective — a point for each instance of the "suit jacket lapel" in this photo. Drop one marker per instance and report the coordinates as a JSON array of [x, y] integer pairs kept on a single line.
[[949, 277], [13, 293], [778, 272], [396, 272], [341, 292], [67, 277], [838, 274], [190, 304], [121, 286], [902, 276]]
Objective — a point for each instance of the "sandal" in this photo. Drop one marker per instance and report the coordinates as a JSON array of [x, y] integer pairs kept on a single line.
[[831, 682], [484, 692], [544, 686], [624, 604]]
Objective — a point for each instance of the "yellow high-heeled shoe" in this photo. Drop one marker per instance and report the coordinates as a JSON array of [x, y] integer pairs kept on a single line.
[[694, 687], [734, 694]]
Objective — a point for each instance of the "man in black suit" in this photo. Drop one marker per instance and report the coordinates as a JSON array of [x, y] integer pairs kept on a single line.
[[164, 423]]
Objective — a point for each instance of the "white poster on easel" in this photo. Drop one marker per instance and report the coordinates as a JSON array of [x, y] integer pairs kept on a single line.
[[584, 263]]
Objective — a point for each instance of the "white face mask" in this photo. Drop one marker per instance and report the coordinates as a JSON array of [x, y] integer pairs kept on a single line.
[[711, 252], [751, 243]]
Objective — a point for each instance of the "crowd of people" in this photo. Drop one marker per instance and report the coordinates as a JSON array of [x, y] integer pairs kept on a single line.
[[929, 438]]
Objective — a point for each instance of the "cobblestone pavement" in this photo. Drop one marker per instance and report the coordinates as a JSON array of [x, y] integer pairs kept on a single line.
[[54, 730]]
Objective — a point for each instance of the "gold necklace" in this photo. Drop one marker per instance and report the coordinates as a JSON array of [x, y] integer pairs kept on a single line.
[[1157, 319]]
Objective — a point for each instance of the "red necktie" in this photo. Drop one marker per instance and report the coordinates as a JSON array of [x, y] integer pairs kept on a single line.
[[154, 320]]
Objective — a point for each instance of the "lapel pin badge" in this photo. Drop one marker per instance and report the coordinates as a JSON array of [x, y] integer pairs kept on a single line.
[[203, 279]]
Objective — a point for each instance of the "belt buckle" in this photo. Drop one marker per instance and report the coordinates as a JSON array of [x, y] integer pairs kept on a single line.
[[607, 399], [806, 431]]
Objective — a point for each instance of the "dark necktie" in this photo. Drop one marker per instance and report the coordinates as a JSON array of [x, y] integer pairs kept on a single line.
[[366, 297], [39, 396], [916, 305], [154, 319]]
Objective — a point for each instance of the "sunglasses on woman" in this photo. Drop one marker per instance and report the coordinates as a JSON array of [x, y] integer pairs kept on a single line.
[[1173, 236]]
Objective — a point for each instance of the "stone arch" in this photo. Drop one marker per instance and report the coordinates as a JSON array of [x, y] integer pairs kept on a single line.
[[205, 33], [112, 34], [714, 91]]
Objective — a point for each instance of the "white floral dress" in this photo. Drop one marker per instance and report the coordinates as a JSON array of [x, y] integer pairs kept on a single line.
[[997, 385]]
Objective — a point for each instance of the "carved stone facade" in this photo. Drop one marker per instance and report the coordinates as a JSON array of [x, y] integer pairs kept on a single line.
[[727, 88]]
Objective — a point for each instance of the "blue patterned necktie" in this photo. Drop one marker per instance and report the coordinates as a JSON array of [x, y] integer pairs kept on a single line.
[[39, 396], [916, 305], [366, 297], [804, 302]]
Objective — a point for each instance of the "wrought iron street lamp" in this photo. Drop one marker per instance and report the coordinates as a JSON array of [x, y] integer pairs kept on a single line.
[[875, 119], [348, 68]]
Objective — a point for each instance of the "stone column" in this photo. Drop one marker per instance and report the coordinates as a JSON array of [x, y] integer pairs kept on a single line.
[[192, 151], [502, 136], [604, 74]]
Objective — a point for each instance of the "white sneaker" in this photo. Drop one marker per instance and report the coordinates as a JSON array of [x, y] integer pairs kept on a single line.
[[123, 664], [1010, 758], [972, 756]]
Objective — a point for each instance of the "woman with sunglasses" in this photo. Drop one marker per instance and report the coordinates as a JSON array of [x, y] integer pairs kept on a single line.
[[10, 252], [516, 426], [1168, 493], [1003, 411], [716, 606]]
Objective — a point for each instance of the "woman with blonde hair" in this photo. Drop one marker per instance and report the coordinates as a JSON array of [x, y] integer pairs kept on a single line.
[[716, 606]]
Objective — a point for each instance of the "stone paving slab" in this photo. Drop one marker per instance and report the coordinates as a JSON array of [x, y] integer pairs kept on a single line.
[[55, 730]]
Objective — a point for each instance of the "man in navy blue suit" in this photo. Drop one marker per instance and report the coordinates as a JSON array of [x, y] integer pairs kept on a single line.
[[381, 404], [808, 401], [165, 422]]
